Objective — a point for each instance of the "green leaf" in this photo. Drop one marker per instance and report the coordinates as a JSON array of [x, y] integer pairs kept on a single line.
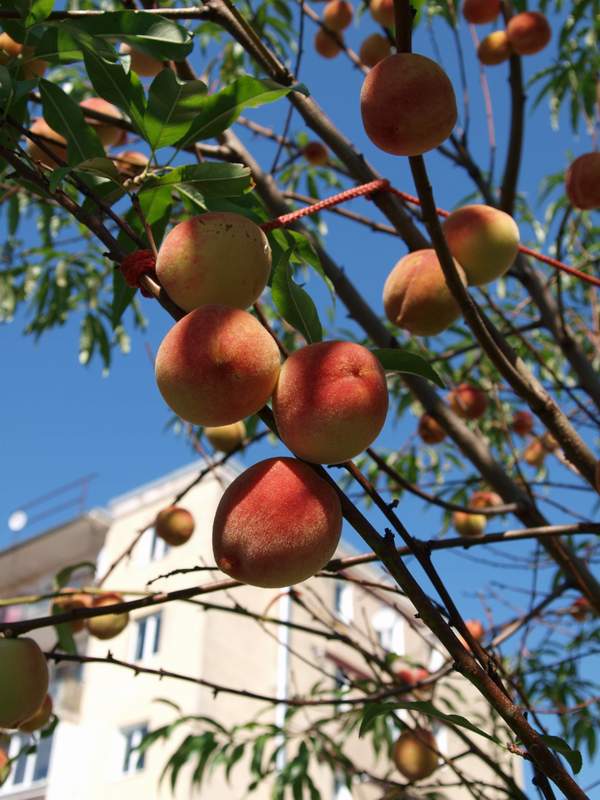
[[219, 111], [64, 634], [62, 578], [395, 360], [172, 107], [572, 756], [102, 167], [224, 180], [38, 11], [156, 207], [65, 116], [294, 304]]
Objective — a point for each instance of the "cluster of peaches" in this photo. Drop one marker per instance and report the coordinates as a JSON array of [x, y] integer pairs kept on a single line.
[[526, 33]]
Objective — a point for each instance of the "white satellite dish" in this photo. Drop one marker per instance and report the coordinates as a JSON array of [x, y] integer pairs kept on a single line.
[[17, 521]]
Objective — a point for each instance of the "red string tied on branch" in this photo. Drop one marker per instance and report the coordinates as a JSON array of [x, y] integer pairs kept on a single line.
[[136, 264]]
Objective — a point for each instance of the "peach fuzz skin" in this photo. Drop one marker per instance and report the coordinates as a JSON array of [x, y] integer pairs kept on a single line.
[[583, 182], [407, 105], [528, 32], [330, 402], [416, 296], [218, 257], [484, 241], [216, 366], [277, 524], [175, 525]]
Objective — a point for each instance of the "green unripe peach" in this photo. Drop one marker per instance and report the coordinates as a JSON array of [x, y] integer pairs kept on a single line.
[[416, 296], [216, 366], [277, 524], [226, 437], [218, 257], [330, 401], [175, 525], [23, 680], [484, 241], [109, 625], [415, 754], [469, 525]]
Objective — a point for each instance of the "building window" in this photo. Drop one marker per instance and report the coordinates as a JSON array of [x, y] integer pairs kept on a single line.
[[440, 734], [147, 636], [389, 628], [133, 759], [158, 547], [150, 547], [343, 601], [30, 768]]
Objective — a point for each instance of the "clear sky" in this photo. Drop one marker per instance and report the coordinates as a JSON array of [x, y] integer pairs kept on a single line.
[[61, 421]]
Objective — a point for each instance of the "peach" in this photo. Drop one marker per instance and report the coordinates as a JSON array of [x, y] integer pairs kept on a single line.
[[226, 437], [485, 499], [494, 49], [130, 163], [31, 67], [411, 677], [175, 525], [217, 365], [522, 423], [484, 241], [57, 144], [69, 600], [415, 754], [146, 66], [407, 104], [583, 182], [468, 401], [108, 625], [430, 431], [534, 454], [374, 49], [316, 154], [416, 296], [478, 12], [330, 401], [382, 12], [4, 759], [549, 443], [475, 628], [218, 257], [338, 14], [277, 524], [469, 525], [108, 134], [23, 680], [325, 44], [581, 609], [38, 720], [528, 32]]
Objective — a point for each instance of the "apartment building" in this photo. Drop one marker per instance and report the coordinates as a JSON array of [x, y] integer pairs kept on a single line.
[[104, 710]]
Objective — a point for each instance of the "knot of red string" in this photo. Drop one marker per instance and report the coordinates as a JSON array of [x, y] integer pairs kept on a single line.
[[136, 264]]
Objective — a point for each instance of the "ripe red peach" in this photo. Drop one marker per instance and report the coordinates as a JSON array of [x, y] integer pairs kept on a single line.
[[469, 525], [146, 66], [415, 754], [216, 366], [484, 241], [382, 12], [130, 163], [485, 499], [475, 628], [522, 423], [316, 154], [416, 296], [330, 401], [528, 32], [109, 625], [57, 144], [39, 719], [31, 67], [581, 609], [374, 49], [478, 12], [407, 104], [226, 437], [411, 677], [494, 49], [108, 134], [338, 14], [69, 600], [23, 680], [325, 44], [430, 430], [468, 401], [534, 454], [175, 525], [4, 770], [277, 524], [583, 182], [549, 443], [218, 257]]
